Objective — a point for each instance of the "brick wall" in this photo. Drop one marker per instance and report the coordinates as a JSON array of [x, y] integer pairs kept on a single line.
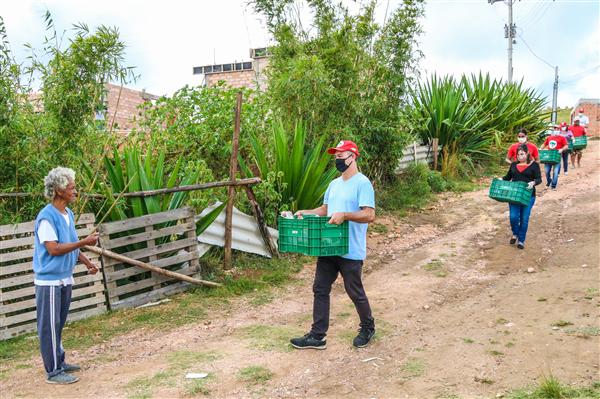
[[591, 108], [127, 109], [254, 79]]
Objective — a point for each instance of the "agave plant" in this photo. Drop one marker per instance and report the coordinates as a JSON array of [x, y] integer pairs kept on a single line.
[[305, 171], [472, 116], [128, 171]]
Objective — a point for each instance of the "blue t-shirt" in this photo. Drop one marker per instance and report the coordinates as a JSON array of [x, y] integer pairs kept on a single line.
[[350, 196]]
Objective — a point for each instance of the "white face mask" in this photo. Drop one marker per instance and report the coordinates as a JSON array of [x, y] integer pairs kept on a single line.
[[522, 139], [564, 129]]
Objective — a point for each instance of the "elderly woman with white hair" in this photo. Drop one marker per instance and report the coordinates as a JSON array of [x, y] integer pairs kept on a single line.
[[56, 252]]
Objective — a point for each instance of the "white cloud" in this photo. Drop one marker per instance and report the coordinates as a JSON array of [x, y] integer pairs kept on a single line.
[[166, 39]]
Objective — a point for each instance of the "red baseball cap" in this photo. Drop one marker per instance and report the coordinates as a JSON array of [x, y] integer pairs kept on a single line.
[[563, 124], [580, 109], [345, 145]]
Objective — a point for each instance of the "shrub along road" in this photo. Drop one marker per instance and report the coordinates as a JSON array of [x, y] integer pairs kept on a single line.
[[457, 312]]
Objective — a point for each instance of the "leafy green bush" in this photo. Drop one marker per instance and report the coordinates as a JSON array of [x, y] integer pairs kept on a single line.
[[197, 123], [437, 182], [346, 76], [410, 190]]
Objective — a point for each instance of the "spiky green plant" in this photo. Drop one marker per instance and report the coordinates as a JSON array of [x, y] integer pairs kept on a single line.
[[472, 116], [128, 171], [305, 170]]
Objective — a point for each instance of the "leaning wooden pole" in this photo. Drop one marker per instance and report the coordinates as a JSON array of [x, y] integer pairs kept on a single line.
[[260, 219], [147, 266], [231, 191]]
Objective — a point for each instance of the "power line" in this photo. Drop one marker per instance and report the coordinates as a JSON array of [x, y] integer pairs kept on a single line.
[[580, 75], [532, 52]]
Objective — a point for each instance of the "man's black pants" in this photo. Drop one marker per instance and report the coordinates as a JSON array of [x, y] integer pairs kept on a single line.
[[325, 275]]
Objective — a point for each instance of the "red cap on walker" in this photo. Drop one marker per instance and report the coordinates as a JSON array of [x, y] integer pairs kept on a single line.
[[345, 145]]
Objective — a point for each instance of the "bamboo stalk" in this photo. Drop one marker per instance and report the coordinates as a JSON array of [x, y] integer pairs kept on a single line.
[[147, 266], [150, 193]]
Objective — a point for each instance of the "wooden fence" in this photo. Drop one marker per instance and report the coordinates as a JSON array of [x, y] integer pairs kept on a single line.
[[167, 240], [17, 292]]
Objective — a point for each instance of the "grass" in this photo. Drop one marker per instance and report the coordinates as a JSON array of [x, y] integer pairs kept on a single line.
[[254, 375], [196, 386], [468, 340], [551, 388], [142, 387], [413, 368], [378, 228], [270, 337], [590, 293], [501, 320], [542, 299], [253, 274], [496, 353], [183, 360], [585, 332], [436, 265], [179, 363]]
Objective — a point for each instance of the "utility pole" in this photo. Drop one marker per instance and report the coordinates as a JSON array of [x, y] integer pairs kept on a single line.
[[510, 32], [555, 95]]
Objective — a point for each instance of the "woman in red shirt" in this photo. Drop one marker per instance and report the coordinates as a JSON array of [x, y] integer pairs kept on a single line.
[[554, 142], [527, 170], [578, 131]]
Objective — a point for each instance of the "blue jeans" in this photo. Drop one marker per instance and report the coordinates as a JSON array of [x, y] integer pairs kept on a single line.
[[552, 181], [565, 158], [519, 219]]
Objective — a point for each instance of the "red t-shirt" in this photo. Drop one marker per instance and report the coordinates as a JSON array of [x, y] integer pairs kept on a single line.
[[556, 142], [578, 131], [512, 151]]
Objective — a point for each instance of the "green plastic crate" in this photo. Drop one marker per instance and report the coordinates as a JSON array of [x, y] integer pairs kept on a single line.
[[313, 236], [549, 156], [579, 143], [570, 145], [514, 192]]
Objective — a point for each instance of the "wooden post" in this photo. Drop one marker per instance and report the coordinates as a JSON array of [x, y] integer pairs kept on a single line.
[[231, 189], [260, 219], [435, 153], [415, 151]]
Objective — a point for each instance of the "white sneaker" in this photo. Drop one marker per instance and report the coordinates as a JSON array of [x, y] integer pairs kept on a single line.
[[566, 173]]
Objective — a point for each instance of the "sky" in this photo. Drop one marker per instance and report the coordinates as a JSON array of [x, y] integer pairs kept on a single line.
[[166, 39]]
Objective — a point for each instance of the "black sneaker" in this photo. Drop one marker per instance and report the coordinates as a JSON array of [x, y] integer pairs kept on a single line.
[[308, 342], [364, 337]]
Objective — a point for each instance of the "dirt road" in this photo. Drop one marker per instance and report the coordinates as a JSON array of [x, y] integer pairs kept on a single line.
[[456, 310]]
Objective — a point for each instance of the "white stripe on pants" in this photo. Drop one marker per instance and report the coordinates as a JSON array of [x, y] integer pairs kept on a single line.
[[52, 308]]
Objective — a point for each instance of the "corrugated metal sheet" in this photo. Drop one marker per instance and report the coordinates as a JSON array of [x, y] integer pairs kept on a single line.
[[245, 233], [423, 154]]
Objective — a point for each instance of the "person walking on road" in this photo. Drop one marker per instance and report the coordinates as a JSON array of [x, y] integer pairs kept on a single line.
[[527, 170], [559, 143], [568, 135], [349, 197], [578, 131], [511, 155]]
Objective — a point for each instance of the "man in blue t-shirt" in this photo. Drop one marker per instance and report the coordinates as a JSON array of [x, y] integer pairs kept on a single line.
[[349, 197]]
